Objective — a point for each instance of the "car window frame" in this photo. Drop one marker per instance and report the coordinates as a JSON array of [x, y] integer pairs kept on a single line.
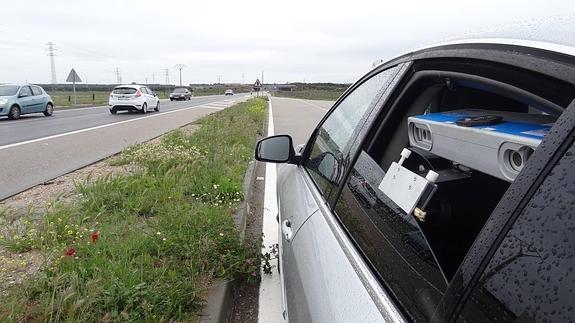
[[364, 123], [29, 91], [34, 88], [445, 308], [525, 215], [144, 90], [504, 216]]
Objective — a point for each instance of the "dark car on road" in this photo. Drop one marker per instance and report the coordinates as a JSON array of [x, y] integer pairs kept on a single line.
[[180, 94], [16, 100], [439, 187]]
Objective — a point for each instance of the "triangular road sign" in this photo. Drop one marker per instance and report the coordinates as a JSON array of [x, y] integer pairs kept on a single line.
[[257, 83], [73, 77]]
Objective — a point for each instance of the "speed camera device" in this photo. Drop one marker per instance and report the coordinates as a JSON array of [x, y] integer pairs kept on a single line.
[[497, 143]]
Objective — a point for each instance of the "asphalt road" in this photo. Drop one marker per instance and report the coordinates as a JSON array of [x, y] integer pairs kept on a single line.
[[36, 125], [36, 149], [297, 117]]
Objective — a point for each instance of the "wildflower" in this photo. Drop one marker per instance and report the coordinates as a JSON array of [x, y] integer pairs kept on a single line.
[[95, 235], [70, 252], [158, 233], [221, 234]]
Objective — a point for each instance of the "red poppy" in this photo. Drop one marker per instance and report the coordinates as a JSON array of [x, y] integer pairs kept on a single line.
[[70, 252], [95, 235]]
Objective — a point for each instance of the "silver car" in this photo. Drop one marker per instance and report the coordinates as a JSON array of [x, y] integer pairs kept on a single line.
[[16, 100], [439, 187]]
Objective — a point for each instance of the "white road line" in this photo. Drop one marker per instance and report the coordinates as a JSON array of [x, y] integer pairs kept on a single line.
[[97, 127], [270, 299]]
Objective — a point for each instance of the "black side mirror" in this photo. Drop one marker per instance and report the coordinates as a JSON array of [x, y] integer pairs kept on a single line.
[[276, 149]]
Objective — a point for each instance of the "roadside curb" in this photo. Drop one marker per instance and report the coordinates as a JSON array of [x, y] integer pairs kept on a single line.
[[220, 299]]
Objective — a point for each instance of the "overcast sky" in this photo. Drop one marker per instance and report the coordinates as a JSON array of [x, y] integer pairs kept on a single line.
[[290, 41]]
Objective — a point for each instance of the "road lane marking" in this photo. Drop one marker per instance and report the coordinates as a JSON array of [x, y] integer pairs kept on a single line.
[[270, 298], [99, 127]]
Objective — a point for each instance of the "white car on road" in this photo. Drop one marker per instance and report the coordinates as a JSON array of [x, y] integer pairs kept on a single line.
[[133, 97]]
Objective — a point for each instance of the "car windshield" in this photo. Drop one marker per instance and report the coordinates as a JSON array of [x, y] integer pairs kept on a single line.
[[8, 90], [180, 91], [124, 90]]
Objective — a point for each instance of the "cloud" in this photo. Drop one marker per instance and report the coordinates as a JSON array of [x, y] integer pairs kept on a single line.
[[317, 40]]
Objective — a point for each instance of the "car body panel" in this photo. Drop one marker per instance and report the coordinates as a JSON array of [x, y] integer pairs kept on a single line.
[[313, 271]]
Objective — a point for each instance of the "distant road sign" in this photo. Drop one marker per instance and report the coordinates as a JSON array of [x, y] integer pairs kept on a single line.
[[73, 77], [257, 84]]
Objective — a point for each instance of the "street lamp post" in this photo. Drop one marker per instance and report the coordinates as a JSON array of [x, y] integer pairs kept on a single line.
[[180, 67]]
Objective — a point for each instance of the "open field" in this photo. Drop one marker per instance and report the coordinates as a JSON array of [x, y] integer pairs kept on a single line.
[[314, 91], [141, 245], [327, 95]]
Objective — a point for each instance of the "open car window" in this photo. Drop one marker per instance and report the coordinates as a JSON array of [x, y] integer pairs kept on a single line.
[[415, 215]]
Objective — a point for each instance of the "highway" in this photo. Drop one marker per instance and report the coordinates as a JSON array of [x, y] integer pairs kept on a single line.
[[36, 148]]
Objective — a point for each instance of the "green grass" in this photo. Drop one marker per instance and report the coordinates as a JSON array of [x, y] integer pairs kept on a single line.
[[328, 95], [164, 232]]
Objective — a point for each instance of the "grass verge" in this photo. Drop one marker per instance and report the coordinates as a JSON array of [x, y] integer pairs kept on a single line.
[[145, 246]]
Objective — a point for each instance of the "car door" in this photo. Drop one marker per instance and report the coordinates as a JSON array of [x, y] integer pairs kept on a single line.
[[39, 98], [26, 99], [153, 98], [314, 288]]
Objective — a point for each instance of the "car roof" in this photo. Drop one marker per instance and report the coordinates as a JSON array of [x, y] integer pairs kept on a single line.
[[553, 34], [134, 86]]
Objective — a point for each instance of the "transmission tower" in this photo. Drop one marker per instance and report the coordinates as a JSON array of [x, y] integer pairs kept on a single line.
[[118, 76], [167, 74], [180, 67], [51, 52]]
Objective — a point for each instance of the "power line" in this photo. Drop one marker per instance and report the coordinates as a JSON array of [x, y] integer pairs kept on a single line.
[[51, 49], [180, 67], [118, 76]]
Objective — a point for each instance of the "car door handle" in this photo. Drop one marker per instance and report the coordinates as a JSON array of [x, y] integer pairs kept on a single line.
[[286, 230]]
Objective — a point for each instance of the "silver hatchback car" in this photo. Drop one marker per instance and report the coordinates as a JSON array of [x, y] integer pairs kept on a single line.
[[16, 100], [439, 187]]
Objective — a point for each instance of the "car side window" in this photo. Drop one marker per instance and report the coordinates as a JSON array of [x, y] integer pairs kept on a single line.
[[144, 90], [36, 90], [390, 240], [149, 91], [532, 273], [337, 131], [25, 91]]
